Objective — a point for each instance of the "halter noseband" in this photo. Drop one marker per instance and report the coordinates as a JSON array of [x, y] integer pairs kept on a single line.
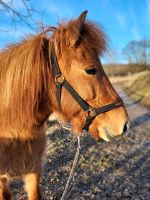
[[89, 112]]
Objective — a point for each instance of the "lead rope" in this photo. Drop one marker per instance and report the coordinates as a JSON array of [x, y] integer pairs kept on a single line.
[[76, 158]]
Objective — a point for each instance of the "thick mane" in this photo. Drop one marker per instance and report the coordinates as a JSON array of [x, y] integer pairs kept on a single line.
[[24, 81]]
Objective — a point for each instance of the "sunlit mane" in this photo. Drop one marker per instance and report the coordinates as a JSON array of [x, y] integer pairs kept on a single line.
[[24, 79]]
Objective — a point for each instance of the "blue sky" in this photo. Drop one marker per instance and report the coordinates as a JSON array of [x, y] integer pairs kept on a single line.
[[122, 20]]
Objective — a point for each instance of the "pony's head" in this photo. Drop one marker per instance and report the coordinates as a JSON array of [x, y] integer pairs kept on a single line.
[[78, 45]]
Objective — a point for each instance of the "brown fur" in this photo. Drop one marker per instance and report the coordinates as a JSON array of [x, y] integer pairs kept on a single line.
[[27, 96]]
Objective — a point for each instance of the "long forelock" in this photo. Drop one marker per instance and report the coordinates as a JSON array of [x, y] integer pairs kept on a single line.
[[93, 37]]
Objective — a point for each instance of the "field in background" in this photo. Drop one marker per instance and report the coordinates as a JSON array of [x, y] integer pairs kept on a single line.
[[122, 69], [137, 85]]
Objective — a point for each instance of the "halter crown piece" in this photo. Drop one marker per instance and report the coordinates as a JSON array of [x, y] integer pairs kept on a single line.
[[89, 112]]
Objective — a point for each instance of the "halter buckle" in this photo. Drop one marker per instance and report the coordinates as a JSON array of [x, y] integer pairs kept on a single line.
[[59, 79], [91, 112]]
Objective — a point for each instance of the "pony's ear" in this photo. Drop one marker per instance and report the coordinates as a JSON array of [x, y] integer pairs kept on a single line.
[[77, 31], [81, 21]]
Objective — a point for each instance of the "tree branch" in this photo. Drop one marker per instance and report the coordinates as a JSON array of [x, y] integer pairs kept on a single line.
[[15, 15]]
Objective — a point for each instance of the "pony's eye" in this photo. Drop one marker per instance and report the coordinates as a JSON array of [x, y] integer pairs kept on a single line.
[[91, 71]]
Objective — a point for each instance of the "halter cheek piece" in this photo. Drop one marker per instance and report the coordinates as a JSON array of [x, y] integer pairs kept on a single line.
[[89, 112]]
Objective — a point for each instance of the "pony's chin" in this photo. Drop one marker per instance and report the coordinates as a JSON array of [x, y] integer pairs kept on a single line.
[[107, 135]]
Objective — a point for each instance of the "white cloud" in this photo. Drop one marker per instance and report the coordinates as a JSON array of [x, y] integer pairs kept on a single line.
[[148, 5], [12, 36], [61, 11], [134, 30], [121, 20], [9, 32], [147, 12], [135, 33], [6, 1], [15, 4]]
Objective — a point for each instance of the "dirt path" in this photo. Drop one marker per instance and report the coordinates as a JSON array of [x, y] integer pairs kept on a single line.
[[106, 171]]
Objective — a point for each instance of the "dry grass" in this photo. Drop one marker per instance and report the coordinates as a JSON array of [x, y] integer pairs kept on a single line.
[[122, 69], [137, 85]]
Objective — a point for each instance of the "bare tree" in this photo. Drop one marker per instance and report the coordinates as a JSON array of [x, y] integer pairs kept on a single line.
[[9, 8], [137, 53], [145, 51], [131, 51]]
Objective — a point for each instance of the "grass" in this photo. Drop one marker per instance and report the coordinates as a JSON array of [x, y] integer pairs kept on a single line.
[[137, 85], [123, 69]]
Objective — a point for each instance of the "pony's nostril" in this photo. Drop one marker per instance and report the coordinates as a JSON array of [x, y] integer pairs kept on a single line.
[[126, 127]]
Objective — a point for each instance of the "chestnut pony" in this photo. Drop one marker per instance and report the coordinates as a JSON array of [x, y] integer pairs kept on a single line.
[[28, 96]]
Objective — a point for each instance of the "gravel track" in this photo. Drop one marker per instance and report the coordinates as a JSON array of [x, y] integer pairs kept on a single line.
[[119, 170]]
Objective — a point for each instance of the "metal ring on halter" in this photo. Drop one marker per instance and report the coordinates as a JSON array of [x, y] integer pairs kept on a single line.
[[91, 112], [59, 79]]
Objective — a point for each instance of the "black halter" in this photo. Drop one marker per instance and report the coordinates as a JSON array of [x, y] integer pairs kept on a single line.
[[89, 112]]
